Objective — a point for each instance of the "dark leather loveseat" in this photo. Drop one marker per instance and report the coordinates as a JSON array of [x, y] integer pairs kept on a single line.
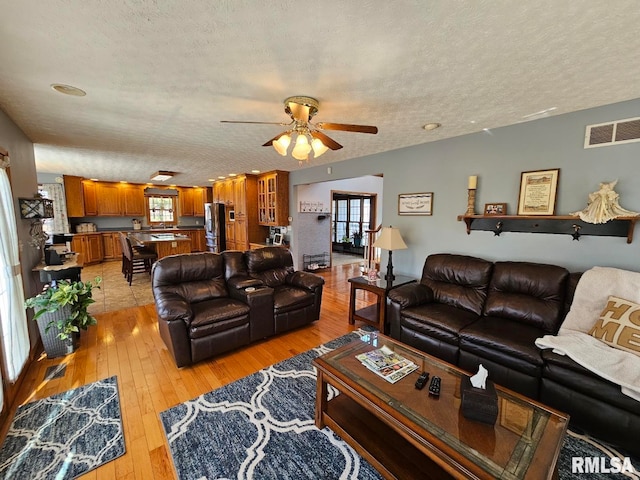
[[209, 303], [467, 311]]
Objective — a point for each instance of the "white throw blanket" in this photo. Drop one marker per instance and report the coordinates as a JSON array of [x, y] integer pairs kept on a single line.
[[573, 340]]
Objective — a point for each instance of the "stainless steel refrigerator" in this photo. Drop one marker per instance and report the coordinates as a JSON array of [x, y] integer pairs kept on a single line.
[[214, 227]]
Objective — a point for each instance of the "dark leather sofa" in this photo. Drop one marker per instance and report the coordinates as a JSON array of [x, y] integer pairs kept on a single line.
[[209, 303], [467, 311]]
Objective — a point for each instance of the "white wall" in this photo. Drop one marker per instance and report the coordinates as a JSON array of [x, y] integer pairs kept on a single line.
[[498, 158], [23, 184]]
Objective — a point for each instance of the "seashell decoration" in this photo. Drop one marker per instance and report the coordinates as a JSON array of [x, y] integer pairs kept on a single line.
[[603, 205]]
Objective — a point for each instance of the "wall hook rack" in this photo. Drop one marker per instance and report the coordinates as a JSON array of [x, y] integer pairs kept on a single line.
[[560, 224], [576, 232]]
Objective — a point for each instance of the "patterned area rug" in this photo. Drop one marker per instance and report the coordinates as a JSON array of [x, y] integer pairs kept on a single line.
[[262, 427], [65, 435]]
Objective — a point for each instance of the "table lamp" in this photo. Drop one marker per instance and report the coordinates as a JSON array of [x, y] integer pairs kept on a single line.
[[390, 239]]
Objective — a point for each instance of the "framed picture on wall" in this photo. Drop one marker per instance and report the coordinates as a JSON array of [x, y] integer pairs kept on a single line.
[[415, 203], [538, 191]]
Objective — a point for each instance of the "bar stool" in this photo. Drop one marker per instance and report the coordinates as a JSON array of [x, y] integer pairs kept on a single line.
[[135, 260]]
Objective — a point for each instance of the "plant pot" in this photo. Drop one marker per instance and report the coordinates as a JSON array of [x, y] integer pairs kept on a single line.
[[54, 346], [357, 242]]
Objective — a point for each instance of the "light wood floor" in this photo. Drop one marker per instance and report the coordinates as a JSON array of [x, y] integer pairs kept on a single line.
[[126, 343]]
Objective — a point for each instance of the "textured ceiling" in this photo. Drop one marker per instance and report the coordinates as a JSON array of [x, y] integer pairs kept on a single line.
[[160, 75]]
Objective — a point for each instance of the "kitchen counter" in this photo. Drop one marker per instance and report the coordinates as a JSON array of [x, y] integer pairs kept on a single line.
[[162, 242]]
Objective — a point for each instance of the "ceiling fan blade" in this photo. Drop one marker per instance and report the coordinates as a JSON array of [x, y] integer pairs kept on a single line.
[[259, 123], [347, 128], [329, 142]]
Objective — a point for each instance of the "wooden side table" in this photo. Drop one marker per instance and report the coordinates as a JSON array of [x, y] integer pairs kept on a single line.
[[374, 314]]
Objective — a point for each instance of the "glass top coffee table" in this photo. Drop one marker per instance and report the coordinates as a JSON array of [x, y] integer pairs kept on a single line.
[[408, 433]]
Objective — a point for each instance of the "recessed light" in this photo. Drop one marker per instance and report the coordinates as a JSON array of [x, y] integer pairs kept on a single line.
[[68, 90], [222, 177], [233, 174], [211, 179], [432, 126], [123, 181], [255, 171], [94, 179]]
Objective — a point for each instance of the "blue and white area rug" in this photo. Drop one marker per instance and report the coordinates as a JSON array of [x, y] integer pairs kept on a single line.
[[262, 427], [65, 435]]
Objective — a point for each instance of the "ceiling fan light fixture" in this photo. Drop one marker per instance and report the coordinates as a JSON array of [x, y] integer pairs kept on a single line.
[[318, 147], [302, 148], [282, 144]]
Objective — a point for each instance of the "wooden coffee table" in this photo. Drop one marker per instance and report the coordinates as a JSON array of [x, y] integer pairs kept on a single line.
[[407, 433]]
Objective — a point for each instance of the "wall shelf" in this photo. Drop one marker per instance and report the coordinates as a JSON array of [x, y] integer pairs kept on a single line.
[[558, 224]]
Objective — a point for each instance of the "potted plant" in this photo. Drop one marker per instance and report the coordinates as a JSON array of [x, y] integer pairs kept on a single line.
[[357, 238], [61, 311]]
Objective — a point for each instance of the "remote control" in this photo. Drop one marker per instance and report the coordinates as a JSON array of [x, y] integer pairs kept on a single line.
[[434, 386], [422, 380]]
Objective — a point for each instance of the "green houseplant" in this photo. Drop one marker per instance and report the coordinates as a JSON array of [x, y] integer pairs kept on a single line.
[[357, 238], [61, 311]]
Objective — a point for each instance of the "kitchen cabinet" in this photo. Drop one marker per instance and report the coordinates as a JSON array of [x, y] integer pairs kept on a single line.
[[273, 198], [200, 197], [74, 196], [89, 246], [132, 200], [192, 201], [108, 199], [111, 246], [223, 191], [185, 196]]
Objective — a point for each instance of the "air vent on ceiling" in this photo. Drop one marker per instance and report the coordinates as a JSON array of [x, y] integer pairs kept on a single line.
[[612, 133]]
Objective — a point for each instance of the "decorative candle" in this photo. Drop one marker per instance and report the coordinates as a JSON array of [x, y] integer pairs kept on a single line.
[[473, 182]]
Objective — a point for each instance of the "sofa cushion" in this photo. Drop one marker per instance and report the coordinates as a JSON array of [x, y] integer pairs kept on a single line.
[[561, 369], [530, 293], [457, 280], [437, 320], [216, 315], [504, 341], [619, 325], [287, 298]]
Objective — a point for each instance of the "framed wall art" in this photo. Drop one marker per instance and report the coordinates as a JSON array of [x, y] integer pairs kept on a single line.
[[415, 203], [495, 208], [538, 191]]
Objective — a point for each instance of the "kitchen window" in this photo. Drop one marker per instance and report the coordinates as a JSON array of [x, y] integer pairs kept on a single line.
[[161, 210]]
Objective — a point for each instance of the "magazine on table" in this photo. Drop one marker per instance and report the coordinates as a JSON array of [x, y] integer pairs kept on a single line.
[[387, 363]]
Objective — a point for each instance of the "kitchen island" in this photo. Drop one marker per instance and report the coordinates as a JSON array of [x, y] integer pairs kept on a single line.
[[163, 244]]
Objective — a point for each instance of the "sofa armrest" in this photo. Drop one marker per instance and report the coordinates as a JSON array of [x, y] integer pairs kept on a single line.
[[171, 306], [411, 295], [238, 283], [307, 280]]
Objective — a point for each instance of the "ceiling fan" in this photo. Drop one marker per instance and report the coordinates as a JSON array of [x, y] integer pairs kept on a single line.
[[309, 137]]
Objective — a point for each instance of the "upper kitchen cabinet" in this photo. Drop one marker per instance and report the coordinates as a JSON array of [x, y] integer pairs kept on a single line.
[[223, 192], [109, 204], [74, 195], [132, 196], [192, 201], [81, 196], [273, 198]]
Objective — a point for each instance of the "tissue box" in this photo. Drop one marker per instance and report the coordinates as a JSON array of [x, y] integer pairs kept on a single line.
[[477, 403]]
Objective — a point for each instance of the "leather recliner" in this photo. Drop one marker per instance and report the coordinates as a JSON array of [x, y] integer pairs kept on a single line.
[[197, 317], [296, 294]]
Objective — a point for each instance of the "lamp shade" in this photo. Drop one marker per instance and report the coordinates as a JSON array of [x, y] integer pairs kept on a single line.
[[318, 147], [390, 239], [282, 144], [302, 148]]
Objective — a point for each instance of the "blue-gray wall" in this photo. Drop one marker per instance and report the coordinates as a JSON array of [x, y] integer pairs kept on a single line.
[[498, 158]]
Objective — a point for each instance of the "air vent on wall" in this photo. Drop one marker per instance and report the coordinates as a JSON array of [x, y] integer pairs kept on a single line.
[[612, 133]]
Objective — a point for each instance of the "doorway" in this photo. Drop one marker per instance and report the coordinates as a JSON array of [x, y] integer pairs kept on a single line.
[[352, 215]]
